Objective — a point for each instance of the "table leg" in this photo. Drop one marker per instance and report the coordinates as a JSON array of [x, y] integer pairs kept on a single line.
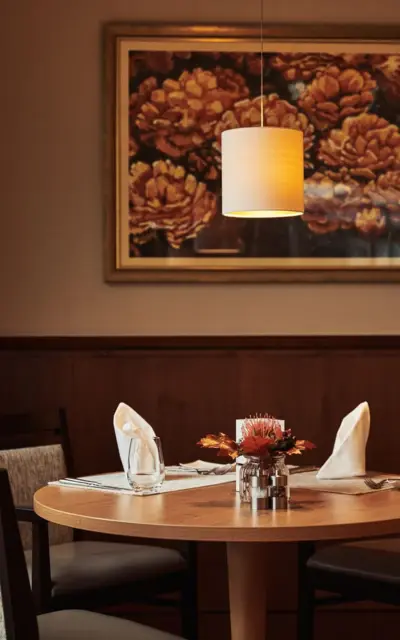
[[247, 590]]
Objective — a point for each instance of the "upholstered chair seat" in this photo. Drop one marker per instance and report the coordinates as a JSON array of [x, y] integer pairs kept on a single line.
[[376, 561], [83, 625], [86, 566]]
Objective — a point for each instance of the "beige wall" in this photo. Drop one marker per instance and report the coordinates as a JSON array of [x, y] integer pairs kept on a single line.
[[51, 212]]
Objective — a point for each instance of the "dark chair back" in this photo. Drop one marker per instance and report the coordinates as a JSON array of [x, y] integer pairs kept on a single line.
[[19, 612], [20, 430]]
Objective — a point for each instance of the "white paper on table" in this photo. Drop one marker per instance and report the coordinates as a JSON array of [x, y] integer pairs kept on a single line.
[[348, 456], [199, 465], [118, 483], [240, 460], [129, 424]]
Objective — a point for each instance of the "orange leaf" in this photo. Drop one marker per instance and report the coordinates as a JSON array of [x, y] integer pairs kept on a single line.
[[304, 444], [293, 451], [225, 444], [210, 442]]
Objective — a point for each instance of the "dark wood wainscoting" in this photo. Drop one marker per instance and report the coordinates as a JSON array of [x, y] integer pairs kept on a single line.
[[186, 387]]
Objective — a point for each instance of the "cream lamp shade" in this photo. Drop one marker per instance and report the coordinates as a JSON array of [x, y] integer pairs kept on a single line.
[[262, 172]]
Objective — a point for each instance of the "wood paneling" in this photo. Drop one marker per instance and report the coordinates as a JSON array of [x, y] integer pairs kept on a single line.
[[188, 386]]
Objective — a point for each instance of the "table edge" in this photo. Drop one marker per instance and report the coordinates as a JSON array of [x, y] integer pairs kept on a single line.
[[197, 533]]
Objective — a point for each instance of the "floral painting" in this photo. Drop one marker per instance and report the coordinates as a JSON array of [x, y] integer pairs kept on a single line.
[[178, 103]]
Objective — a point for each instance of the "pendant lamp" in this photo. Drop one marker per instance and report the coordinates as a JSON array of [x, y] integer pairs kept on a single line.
[[262, 167]]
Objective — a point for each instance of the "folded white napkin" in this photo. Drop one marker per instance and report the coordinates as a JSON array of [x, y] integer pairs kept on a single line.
[[348, 455], [129, 424]]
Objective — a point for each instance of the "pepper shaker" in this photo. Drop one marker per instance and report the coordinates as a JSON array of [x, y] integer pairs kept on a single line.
[[278, 492]]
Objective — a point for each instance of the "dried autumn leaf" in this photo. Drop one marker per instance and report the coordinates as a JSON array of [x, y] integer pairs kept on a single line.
[[221, 441], [210, 441], [302, 445]]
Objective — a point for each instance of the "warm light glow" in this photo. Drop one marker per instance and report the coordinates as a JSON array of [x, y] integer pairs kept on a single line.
[[262, 172]]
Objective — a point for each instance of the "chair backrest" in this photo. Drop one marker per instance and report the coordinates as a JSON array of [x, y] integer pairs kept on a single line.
[[22, 430], [35, 455], [18, 607]]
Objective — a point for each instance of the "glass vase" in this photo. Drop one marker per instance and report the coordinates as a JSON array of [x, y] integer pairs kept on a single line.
[[252, 466]]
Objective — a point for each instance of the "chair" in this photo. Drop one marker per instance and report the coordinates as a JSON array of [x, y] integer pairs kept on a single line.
[[67, 573], [362, 570], [19, 612]]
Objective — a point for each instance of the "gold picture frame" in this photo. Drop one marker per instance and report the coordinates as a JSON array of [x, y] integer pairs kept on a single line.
[[340, 84]]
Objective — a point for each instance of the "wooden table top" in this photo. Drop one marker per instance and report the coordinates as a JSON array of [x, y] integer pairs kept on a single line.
[[215, 514]]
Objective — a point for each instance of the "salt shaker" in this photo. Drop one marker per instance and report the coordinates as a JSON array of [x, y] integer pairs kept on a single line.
[[259, 493]]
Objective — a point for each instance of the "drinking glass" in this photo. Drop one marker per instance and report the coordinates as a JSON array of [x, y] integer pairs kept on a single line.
[[146, 469]]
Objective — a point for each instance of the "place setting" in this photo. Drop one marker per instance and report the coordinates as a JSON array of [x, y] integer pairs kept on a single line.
[[144, 471], [258, 462]]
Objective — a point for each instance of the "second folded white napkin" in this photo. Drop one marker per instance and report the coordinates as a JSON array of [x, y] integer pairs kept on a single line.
[[129, 424], [348, 455]]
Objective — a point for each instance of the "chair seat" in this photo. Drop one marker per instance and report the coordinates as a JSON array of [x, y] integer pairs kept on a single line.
[[375, 560], [83, 625], [84, 566]]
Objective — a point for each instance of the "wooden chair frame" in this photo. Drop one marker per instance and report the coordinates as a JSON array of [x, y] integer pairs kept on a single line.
[[27, 430], [18, 607]]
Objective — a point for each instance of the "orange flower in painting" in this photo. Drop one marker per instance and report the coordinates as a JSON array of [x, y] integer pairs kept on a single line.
[[365, 145], [335, 94], [388, 68], [385, 192], [300, 66], [370, 221], [165, 197], [180, 115]]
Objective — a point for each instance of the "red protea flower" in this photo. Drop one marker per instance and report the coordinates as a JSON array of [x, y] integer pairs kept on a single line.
[[265, 426], [255, 445]]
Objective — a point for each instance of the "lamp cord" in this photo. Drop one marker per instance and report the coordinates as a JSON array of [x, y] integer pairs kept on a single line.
[[262, 60]]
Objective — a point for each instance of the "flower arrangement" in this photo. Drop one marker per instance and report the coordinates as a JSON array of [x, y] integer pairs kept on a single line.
[[261, 436]]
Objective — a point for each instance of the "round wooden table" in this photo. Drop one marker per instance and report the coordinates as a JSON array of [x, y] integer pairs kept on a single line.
[[215, 514]]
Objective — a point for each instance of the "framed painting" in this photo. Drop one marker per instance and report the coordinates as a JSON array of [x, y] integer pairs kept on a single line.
[[170, 92]]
